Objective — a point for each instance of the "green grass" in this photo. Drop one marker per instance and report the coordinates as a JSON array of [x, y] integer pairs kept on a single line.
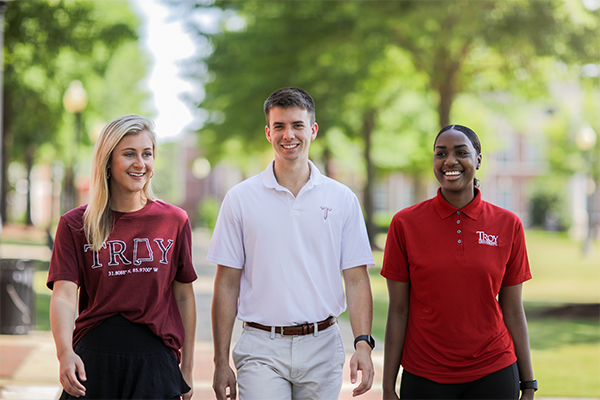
[[42, 312], [560, 271], [42, 301], [565, 353]]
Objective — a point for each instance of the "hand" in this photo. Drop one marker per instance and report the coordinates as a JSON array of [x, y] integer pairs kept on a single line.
[[527, 394], [187, 375], [224, 378], [361, 361], [72, 373]]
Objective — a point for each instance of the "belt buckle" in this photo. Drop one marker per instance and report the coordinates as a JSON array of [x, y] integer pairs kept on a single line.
[[305, 329]]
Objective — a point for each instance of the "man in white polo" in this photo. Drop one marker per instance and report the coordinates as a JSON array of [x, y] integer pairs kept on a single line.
[[281, 240]]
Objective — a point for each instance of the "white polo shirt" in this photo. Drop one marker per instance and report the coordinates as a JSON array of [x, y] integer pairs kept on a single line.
[[290, 249]]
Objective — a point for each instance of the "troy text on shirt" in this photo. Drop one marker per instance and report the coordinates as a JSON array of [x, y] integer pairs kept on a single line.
[[142, 251]]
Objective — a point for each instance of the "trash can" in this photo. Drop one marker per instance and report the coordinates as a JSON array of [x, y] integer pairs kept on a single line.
[[17, 299]]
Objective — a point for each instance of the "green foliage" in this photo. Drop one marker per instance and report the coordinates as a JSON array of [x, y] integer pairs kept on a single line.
[[48, 44], [405, 61], [282, 44], [208, 211], [548, 204]]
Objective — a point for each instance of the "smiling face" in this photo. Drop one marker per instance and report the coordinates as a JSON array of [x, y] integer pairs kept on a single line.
[[290, 133], [131, 165], [455, 161]]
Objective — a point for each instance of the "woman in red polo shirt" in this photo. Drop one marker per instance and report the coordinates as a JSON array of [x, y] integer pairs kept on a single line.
[[455, 266]]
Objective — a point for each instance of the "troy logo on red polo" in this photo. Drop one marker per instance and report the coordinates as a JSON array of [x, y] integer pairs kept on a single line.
[[485, 238]]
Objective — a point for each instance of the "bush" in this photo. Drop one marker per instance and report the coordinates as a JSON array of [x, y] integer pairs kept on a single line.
[[208, 211], [548, 206]]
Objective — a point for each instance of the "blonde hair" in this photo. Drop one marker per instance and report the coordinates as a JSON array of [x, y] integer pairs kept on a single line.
[[98, 218]]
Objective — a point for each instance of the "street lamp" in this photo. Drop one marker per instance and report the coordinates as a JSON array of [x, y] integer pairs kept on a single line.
[[586, 140], [75, 100]]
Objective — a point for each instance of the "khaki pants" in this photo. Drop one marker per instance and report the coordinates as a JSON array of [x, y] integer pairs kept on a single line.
[[289, 367]]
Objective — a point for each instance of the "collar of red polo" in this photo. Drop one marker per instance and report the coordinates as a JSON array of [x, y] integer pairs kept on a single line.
[[446, 210]]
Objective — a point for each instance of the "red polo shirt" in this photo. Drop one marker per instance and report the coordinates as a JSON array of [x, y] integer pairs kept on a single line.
[[456, 261]]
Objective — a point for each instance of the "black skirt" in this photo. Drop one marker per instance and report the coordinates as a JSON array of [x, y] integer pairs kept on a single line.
[[124, 360]]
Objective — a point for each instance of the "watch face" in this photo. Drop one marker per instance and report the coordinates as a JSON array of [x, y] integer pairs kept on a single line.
[[371, 341]]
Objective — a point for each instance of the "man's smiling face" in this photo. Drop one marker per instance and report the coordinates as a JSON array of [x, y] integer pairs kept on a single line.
[[290, 133]]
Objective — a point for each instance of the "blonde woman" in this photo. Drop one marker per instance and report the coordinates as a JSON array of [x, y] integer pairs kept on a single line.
[[125, 259]]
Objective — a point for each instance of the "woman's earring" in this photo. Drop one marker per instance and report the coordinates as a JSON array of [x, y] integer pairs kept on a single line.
[[108, 173]]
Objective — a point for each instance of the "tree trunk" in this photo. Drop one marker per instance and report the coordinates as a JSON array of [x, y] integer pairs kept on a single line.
[[326, 159], [446, 83], [6, 145], [29, 153], [446, 92], [368, 125]]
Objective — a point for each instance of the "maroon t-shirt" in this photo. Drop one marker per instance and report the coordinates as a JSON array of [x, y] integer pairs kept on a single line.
[[133, 272]]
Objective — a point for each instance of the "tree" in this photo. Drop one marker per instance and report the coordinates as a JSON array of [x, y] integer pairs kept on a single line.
[[328, 48], [47, 45], [299, 44], [491, 46]]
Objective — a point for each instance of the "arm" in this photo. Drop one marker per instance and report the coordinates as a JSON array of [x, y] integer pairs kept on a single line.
[[360, 310], [395, 332], [186, 302], [223, 313], [63, 304], [514, 318]]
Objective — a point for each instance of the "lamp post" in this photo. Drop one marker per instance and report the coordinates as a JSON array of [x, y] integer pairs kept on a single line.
[[586, 140], [75, 100]]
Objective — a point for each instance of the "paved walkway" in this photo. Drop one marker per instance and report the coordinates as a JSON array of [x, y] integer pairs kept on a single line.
[[29, 368]]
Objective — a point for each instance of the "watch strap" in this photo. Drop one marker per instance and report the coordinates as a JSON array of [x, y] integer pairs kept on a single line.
[[529, 385], [367, 338]]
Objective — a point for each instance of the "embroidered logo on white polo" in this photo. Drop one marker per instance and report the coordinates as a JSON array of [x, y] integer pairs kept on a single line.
[[326, 211]]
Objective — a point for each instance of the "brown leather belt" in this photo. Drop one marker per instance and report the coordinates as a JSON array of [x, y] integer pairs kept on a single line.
[[296, 330]]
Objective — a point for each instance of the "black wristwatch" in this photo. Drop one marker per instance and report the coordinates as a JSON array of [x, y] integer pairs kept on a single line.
[[529, 385], [367, 338]]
